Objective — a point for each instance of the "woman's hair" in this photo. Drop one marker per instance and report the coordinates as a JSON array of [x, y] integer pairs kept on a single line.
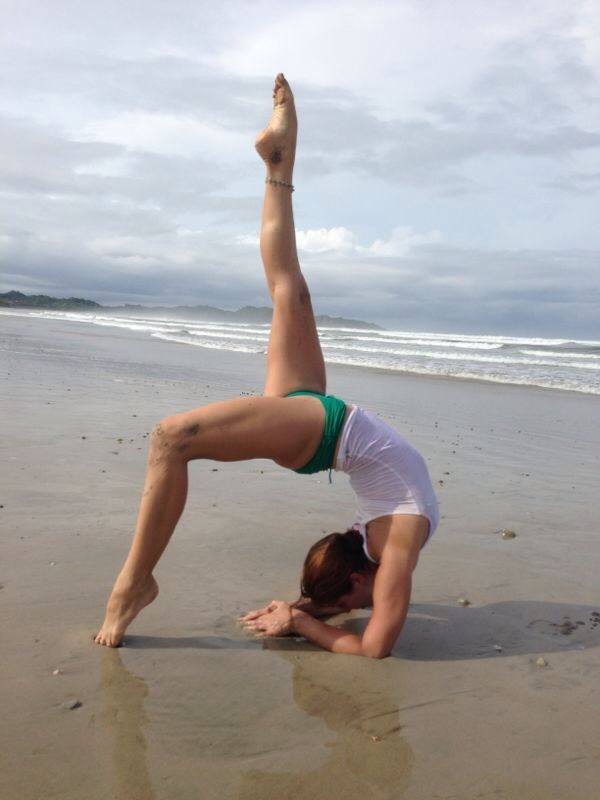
[[329, 564]]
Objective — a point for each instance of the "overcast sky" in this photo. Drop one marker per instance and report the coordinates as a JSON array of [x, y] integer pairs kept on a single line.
[[448, 168]]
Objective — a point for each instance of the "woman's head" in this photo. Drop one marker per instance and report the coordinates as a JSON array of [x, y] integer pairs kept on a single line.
[[337, 572]]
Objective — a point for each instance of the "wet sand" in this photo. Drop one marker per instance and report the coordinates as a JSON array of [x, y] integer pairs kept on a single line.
[[191, 707]]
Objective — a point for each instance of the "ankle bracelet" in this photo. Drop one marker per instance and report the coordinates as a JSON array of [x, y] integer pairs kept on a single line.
[[279, 183]]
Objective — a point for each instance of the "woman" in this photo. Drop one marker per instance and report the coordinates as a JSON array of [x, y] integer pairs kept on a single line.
[[300, 428]]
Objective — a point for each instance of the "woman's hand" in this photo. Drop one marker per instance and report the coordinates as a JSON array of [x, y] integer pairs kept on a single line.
[[258, 612], [272, 620]]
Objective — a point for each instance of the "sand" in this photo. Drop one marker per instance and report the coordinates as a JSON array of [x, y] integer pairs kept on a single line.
[[193, 708]]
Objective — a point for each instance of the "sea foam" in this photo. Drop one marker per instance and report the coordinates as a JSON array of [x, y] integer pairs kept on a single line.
[[555, 363]]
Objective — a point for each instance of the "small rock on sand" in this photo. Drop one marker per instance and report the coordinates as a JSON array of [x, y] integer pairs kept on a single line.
[[506, 533], [56, 672], [541, 662], [71, 704], [462, 601]]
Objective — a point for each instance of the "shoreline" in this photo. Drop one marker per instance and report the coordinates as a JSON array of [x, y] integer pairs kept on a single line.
[[330, 364]]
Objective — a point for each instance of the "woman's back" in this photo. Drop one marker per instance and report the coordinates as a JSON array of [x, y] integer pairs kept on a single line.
[[387, 474]]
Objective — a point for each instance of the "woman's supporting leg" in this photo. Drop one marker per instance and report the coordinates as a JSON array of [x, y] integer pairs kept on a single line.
[[294, 357], [163, 500], [231, 430]]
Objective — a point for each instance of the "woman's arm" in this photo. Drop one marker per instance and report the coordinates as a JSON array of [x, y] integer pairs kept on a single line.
[[326, 636], [280, 619], [380, 634], [277, 615], [391, 600]]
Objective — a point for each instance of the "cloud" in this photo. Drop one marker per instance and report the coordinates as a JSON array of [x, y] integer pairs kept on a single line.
[[327, 240], [402, 240], [343, 243], [576, 183], [433, 286], [450, 154]]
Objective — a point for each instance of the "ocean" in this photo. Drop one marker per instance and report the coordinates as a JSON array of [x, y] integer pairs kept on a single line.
[[570, 365]]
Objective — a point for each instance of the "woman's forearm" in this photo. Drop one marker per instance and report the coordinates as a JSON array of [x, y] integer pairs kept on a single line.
[[326, 636]]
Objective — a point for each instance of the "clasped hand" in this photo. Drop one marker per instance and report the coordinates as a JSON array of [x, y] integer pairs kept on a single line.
[[272, 620]]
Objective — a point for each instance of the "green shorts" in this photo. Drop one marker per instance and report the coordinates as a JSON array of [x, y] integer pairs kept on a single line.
[[334, 417]]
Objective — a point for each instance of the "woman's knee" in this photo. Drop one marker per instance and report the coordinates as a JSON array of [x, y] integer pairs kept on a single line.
[[291, 290], [173, 436]]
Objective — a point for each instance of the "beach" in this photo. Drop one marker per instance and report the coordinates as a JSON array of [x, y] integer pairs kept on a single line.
[[495, 699]]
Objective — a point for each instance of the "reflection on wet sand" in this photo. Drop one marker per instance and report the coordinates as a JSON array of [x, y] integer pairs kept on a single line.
[[368, 757], [125, 718], [228, 724]]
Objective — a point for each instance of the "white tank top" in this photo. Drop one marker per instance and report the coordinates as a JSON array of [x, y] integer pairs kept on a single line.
[[388, 475]]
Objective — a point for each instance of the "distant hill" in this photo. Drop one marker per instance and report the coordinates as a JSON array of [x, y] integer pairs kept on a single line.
[[19, 299], [260, 314]]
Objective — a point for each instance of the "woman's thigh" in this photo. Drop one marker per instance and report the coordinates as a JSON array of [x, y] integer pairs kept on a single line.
[[247, 427], [294, 356]]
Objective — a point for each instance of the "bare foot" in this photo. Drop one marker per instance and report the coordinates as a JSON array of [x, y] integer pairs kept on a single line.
[[124, 604], [276, 144]]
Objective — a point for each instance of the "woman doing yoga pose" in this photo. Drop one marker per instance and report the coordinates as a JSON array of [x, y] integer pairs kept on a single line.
[[300, 428]]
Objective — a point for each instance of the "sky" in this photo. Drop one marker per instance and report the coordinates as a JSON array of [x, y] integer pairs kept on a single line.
[[447, 175]]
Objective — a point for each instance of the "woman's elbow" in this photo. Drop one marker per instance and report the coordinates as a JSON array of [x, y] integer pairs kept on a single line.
[[376, 651]]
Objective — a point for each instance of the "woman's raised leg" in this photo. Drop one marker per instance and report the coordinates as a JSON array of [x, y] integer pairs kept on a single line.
[[294, 356]]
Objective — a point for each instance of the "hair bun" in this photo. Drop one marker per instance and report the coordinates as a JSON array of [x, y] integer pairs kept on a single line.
[[352, 539]]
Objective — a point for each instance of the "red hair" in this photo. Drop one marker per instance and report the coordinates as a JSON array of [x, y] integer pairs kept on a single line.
[[329, 564]]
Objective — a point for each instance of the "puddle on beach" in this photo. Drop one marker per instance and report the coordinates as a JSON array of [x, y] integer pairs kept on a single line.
[[220, 717], [324, 733]]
